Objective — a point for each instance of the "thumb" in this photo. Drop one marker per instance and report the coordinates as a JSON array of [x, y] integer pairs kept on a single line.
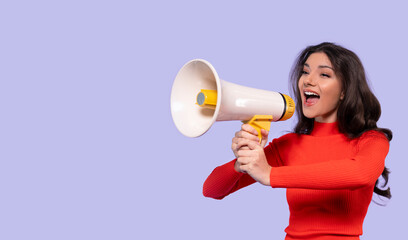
[[264, 139]]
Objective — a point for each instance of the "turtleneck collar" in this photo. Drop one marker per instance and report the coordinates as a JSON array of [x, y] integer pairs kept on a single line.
[[325, 129]]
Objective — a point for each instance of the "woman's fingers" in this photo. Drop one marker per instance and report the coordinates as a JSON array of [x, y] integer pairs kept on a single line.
[[248, 128], [243, 134], [248, 135], [244, 160], [253, 162], [244, 152], [242, 142], [264, 134], [264, 139]]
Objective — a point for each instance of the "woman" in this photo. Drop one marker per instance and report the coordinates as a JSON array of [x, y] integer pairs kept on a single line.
[[331, 163]]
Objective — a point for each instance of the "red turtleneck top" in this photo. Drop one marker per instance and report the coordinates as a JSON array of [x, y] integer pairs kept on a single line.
[[329, 179]]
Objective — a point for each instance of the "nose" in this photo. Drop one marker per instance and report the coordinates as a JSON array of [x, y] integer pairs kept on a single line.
[[309, 80]]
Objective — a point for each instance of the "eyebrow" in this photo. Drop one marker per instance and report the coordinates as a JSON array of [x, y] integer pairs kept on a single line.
[[320, 66]]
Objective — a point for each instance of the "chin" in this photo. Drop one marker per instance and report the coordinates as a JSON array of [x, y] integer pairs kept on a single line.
[[307, 114]]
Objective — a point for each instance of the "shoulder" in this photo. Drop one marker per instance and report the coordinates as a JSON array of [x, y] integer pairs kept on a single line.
[[373, 138], [373, 134], [278, 149], [286, 139]]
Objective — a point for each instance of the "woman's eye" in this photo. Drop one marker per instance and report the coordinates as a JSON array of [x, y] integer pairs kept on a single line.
[[304, 72], [325, 75]]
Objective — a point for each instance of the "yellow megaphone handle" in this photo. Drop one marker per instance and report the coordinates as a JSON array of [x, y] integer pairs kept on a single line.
[[260, 122]]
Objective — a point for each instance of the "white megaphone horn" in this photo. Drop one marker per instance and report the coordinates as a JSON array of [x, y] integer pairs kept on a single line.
[[199, 98]]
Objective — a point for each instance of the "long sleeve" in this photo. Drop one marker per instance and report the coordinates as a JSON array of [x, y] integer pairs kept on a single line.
[[362, 169], [224, 180]]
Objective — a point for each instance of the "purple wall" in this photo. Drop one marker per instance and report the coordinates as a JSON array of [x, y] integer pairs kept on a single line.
[[88, 146]]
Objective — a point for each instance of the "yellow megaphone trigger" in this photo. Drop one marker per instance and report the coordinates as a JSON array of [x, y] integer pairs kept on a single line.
[[207, 98], [260, 122]]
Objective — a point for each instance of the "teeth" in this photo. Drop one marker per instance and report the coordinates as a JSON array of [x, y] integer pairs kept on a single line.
[[311, 94]]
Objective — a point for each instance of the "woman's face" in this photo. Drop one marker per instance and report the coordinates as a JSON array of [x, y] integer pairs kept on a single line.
[[320, 89]]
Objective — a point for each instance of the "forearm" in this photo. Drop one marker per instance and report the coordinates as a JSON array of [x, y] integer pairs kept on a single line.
[[351, 172], [341, 174], [225, 180]]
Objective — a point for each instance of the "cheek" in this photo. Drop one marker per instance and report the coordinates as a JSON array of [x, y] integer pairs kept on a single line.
[[332, 98]]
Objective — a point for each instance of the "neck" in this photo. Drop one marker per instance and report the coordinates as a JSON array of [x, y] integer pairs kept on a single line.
[[325, 129]]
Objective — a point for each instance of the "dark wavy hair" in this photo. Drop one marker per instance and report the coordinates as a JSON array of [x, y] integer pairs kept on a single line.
[[358, 112]]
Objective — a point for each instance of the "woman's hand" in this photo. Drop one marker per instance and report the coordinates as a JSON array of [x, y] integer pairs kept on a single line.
[[250, 154], [252, 160], [248, 132]]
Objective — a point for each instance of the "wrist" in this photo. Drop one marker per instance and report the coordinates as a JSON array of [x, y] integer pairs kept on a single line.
[[236, 166], [267, 179]]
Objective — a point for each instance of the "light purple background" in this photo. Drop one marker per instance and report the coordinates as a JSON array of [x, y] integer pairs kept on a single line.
[[88, 149]]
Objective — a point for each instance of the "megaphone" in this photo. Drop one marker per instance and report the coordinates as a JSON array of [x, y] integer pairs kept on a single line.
[[199, 98]]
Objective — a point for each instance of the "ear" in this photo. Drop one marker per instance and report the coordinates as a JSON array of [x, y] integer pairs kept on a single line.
[[342, 95]]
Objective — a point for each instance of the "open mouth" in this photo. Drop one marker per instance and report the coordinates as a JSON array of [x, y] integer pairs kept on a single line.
[[311, 97]]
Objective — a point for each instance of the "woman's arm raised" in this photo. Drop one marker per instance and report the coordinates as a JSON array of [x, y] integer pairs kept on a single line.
[[229, 178], [349, 173]]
